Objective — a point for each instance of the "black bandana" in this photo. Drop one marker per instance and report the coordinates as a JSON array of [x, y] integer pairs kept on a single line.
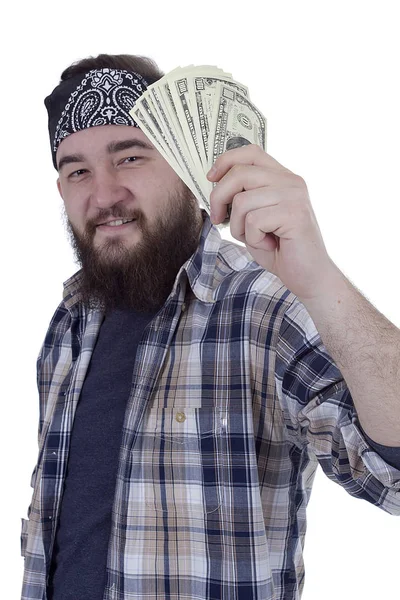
[[100, 97]]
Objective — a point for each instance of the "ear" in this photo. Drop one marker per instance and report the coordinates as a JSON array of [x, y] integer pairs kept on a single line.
[[59, 188]]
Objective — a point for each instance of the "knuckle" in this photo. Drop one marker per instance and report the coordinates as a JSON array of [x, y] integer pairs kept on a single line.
[[214, 193], [237, 167], [238, 199], [301, 181], [255, 148], [249, 218], [303, 213]]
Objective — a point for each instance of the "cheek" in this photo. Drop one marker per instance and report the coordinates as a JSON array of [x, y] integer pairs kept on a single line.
[[166, 175], [168, 185], [73, 211], [76, 203], [154, 197]]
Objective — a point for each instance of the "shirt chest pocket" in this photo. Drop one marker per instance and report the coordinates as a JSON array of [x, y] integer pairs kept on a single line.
[[184, 444], [180, 424]]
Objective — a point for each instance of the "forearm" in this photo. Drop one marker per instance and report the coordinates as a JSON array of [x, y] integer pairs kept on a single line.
[[365, 346]]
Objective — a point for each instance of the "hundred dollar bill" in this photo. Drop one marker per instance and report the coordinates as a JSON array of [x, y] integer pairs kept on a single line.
[[179, 89], [174, 125], [202, 92], [188, 109], [236, 122], [183, 117]]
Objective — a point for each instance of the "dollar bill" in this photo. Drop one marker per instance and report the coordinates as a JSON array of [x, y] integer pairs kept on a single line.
[[194, 114]]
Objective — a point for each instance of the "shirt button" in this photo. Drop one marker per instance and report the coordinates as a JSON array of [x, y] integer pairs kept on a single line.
[[180, 417]]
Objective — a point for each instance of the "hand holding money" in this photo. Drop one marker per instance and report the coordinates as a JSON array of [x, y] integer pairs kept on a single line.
[[273, 216], [194, 114], [198, 117]]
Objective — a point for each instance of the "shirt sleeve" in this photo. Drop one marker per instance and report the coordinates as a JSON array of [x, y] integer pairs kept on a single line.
[[319, 414], [391, 454]]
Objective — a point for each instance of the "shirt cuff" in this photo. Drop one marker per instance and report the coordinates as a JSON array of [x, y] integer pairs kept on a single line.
[[390, 454]]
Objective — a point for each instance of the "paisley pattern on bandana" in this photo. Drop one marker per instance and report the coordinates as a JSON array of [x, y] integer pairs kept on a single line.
[[103, 97]]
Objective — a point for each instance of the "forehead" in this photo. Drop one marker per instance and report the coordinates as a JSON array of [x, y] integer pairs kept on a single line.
[[98, 137]]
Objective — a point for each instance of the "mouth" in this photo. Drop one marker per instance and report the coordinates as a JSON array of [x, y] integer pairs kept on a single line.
[[117, 226]]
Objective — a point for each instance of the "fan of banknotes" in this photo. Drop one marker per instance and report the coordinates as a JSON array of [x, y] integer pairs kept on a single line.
[[194, 114]]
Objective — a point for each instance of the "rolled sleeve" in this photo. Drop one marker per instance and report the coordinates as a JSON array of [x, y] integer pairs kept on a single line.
[[390, 454], [319, 414]]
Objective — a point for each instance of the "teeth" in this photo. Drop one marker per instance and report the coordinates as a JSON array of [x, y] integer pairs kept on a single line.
[[119, 222]]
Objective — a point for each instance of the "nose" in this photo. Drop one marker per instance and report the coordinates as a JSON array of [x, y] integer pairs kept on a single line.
[[106, 189]]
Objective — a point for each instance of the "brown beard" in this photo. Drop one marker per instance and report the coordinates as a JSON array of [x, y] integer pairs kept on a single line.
[[141, 277]]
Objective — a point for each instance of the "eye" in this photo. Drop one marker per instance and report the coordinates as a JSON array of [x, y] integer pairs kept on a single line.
[[133, 157], [74, 173]]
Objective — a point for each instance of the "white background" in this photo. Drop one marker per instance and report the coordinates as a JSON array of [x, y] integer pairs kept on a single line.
[[325, 75]]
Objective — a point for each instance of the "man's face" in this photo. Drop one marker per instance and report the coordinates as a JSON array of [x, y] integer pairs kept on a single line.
[[131, 266]]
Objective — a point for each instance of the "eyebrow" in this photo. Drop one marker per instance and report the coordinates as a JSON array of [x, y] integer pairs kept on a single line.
[[112, 148]]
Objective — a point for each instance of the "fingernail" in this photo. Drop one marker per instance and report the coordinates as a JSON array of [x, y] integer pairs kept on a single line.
[[212, 172]]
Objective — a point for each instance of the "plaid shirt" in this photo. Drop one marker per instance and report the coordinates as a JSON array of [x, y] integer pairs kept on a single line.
[[234, 403]]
